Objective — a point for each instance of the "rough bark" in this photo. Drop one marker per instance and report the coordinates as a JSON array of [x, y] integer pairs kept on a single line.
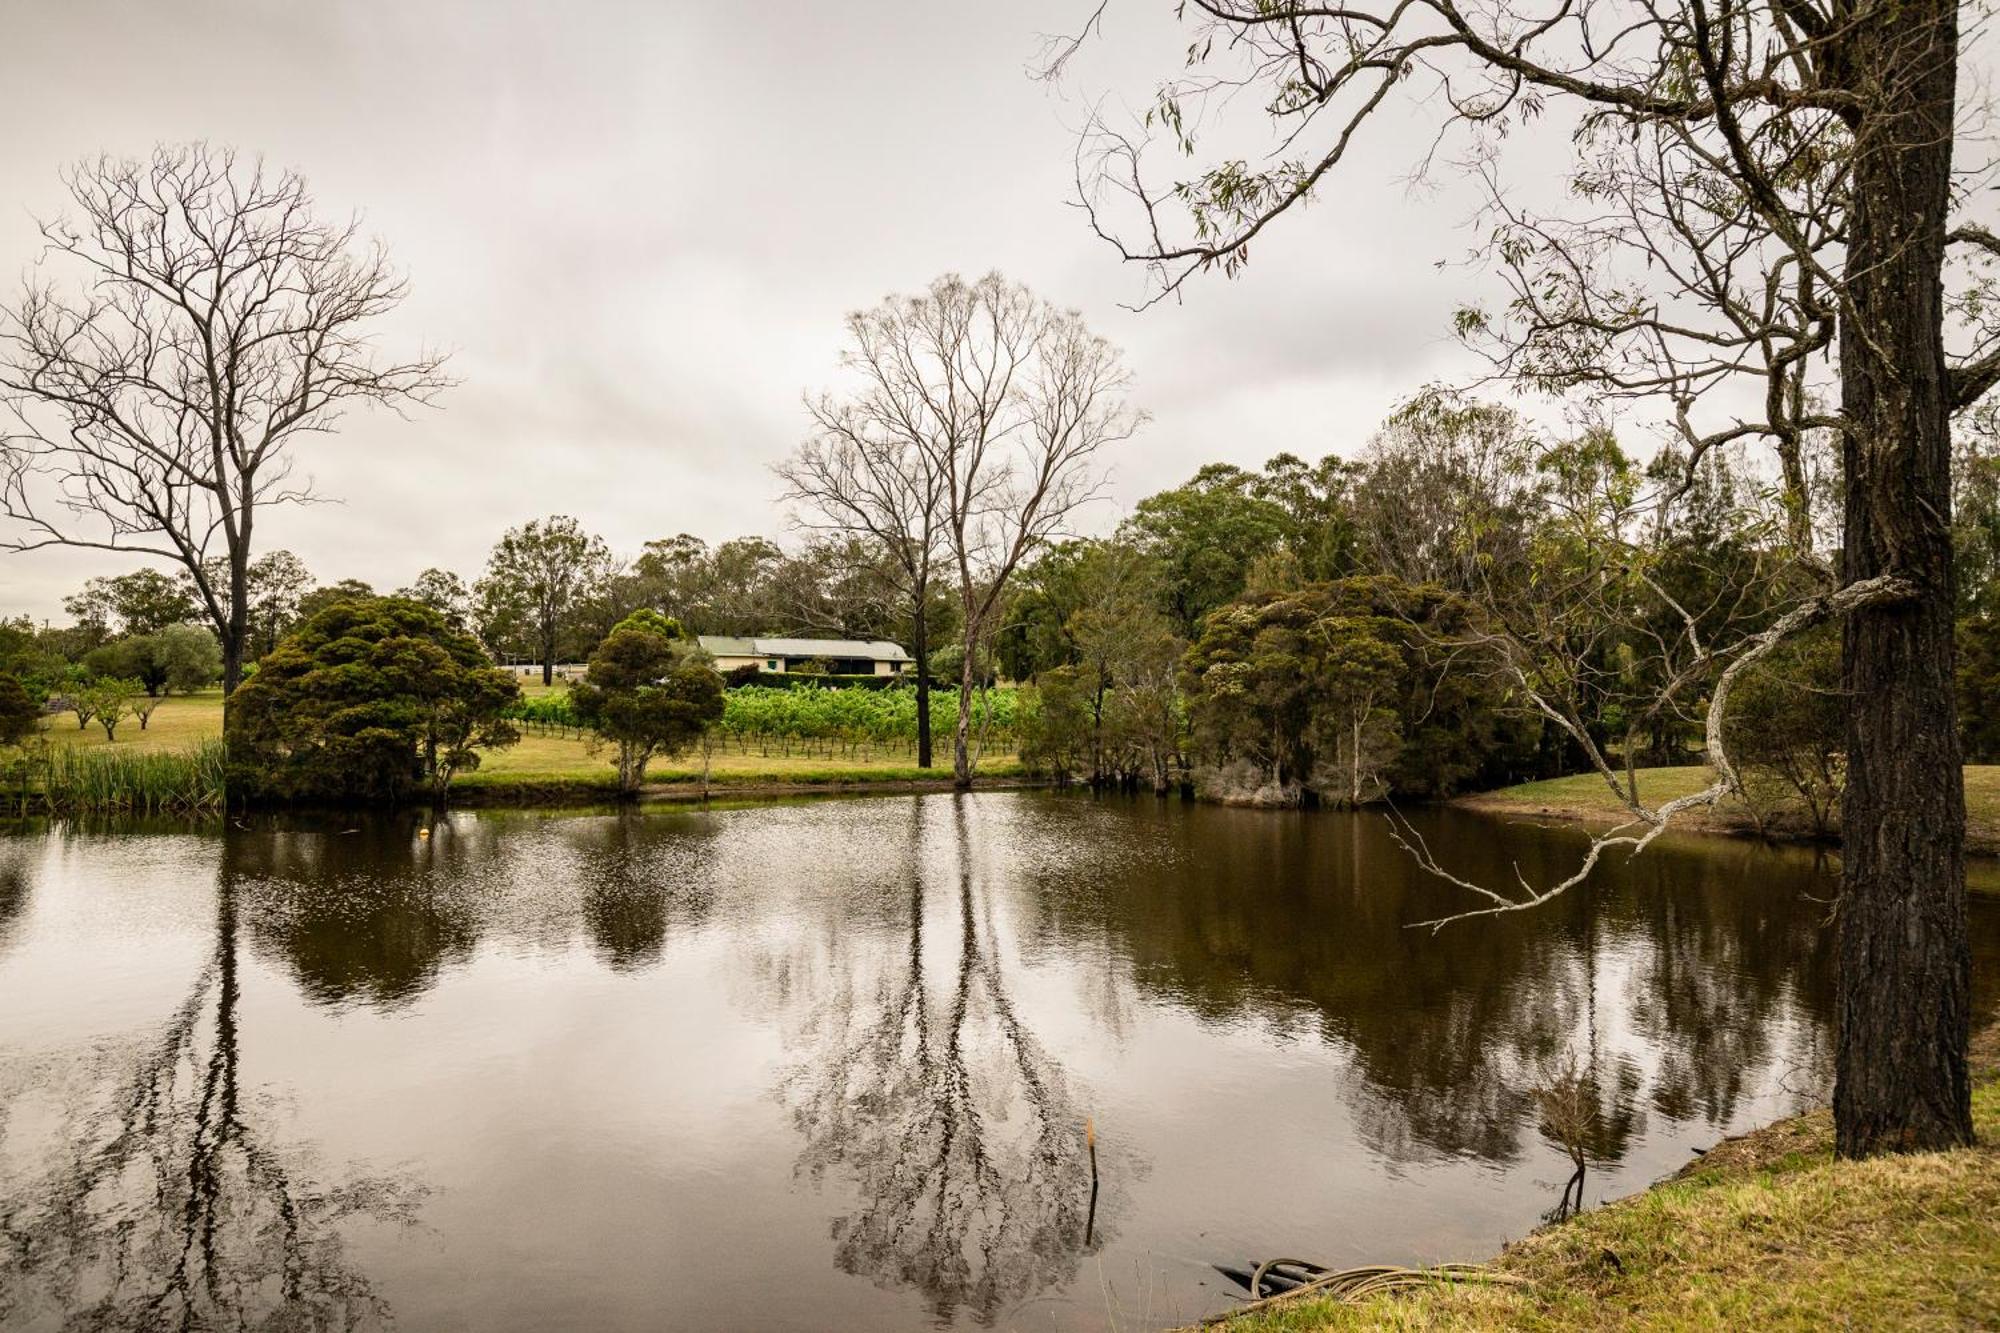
[[1905, 965]]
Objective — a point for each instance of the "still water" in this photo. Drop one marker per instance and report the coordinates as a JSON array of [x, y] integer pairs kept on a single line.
[[829, 1065]]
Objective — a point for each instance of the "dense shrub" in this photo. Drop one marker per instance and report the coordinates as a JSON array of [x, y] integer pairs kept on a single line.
[[374, 699]]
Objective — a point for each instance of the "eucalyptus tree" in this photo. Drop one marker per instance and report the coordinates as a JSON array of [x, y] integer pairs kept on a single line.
[[215, 324], [142, 602], [1761, 238], [538, 578], [443, 592]]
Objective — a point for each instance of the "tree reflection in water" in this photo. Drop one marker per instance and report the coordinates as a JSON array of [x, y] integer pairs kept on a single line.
[[637, 883], [953, 1123], [177, 1209]]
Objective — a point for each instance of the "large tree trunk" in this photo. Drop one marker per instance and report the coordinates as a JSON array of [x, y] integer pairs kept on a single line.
[[921, 643], [1905, 966]]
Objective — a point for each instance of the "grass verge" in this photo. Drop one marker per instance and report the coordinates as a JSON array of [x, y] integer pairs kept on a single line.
[[1767, 1231], [1584, 797]]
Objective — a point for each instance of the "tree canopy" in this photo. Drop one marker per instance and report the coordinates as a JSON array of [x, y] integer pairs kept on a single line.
[[369, 700]]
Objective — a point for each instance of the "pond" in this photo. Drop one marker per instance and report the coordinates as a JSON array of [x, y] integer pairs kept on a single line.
[[831, 1064]]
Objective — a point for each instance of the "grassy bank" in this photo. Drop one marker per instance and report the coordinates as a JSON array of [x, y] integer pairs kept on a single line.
[[1766, 1232], [542, 768], [1585, 798], [82, 779]]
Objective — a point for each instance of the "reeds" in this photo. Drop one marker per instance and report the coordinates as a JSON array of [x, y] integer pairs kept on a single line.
[[115, 780]]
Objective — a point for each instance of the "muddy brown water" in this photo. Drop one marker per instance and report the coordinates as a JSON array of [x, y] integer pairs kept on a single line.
[[829, 1064]]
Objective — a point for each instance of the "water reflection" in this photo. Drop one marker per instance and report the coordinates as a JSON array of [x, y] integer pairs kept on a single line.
[[632, 896], [1662, 973], [855, 1044], [958, 1130], [184, 1203]]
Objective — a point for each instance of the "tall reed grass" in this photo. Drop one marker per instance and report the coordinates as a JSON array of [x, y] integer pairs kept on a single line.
[[109, 780]]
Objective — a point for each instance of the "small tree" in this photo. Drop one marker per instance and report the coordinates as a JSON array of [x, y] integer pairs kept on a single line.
[[76, 697], [144, 706], [111, 702], [1787, 729], [648, 692], [371, 700], [136, 658], [18, 713]]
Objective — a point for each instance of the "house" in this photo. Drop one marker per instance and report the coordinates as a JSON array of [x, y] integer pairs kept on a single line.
[[842, 657]]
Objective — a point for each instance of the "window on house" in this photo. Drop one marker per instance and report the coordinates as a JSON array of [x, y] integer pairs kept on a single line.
[[772, 664]]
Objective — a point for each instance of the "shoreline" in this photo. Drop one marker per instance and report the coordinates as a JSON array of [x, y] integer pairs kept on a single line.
[[1765, 1228], [557, 792], [1981, 840]]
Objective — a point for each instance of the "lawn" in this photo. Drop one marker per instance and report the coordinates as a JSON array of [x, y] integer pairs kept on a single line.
[[1585, 794], [180, 722]]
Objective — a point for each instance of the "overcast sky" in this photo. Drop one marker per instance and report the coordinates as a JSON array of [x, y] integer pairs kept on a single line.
[[637, 226]]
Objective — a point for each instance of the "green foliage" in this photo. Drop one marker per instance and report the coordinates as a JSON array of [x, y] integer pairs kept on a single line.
[[110, 702], [648, 621], [189, 656], [1786, 729], [142, 602], [539, 582], [370, 700], [1112, 713], [1979, 688], [1292, 681], [1345, 691], [647, 694], [1057, 725], [1206, 535], [19, 714], [319, 599]]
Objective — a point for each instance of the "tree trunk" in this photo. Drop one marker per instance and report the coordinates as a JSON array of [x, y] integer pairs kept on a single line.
[[961, 740], [1905, 965], [237, 632], [921, 637]]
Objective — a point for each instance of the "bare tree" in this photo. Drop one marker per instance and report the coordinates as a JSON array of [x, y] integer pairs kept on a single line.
[[972, 441], [866, 472], [1759, 221], [217, 324]]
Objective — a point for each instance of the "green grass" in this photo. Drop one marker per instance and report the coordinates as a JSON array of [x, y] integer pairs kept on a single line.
[[77, 779], [1771, 1234], [541, 759], [180, 722], [555, 763]]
